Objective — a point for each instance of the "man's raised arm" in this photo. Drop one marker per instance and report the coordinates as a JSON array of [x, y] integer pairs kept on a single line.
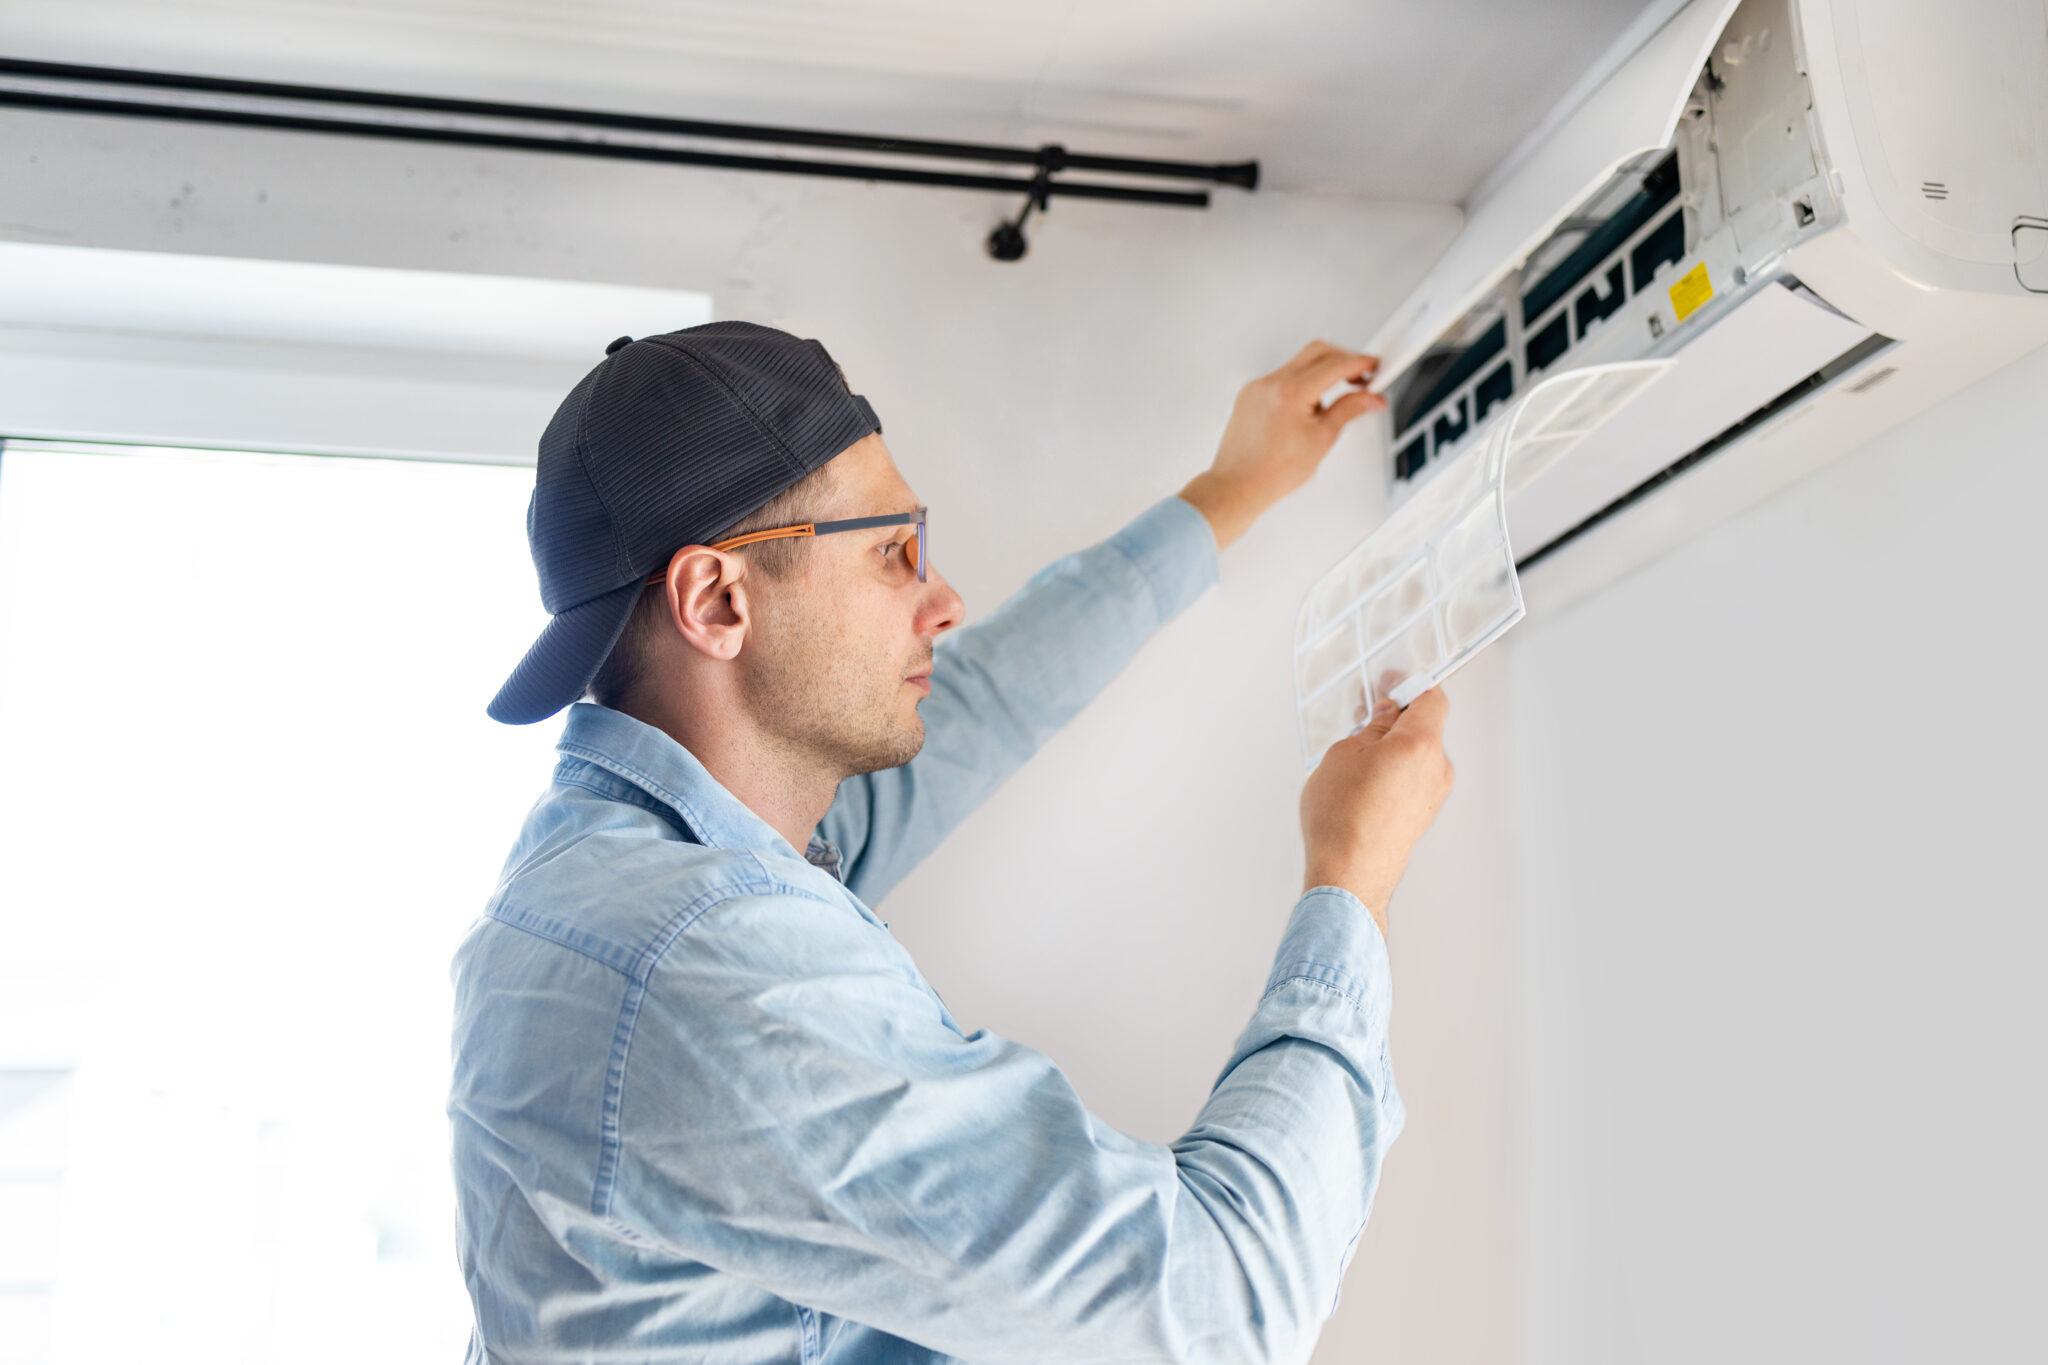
[[1001, 688]]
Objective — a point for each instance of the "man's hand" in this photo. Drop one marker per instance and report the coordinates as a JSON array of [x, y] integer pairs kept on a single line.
[[1278, 434], [1371, 799]]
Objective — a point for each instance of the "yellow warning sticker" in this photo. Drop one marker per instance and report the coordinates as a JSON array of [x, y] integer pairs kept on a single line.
[[1692, 290]]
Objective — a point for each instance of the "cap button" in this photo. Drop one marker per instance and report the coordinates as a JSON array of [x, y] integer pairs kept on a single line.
[[618, 345]]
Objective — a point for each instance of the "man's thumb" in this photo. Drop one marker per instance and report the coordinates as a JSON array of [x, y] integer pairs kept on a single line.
[[1384, 714]]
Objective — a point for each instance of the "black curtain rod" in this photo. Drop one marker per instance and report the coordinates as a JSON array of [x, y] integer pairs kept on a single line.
[[619, 151], [1048, 161]]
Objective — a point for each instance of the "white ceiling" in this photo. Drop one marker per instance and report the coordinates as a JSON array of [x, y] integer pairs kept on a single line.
[[1393, 101]]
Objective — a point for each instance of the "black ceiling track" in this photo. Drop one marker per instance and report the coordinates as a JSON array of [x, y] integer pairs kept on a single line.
[[594, 133]]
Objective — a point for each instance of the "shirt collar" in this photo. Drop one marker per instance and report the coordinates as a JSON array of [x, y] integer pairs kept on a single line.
[[652, 761]]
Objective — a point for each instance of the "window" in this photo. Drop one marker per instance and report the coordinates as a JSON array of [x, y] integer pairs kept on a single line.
[[251, 802]]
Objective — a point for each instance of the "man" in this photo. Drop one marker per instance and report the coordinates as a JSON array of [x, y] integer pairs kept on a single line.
[[704, 1106]]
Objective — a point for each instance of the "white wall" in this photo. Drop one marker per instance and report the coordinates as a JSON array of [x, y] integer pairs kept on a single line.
[[1117, 905], [1779, 811]]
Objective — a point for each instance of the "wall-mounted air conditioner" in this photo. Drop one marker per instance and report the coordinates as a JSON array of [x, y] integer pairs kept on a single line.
[[1810, 206]]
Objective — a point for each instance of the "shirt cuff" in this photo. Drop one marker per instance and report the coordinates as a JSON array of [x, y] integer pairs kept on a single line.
[[1332, 939], [1173, 548]]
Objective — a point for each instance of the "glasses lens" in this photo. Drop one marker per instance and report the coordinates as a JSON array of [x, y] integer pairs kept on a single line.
[[917, 554]]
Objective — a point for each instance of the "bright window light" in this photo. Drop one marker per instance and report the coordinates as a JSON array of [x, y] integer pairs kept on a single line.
[[251, 803]]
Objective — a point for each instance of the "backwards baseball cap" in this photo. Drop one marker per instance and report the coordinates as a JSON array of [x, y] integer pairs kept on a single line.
[[670, 440]]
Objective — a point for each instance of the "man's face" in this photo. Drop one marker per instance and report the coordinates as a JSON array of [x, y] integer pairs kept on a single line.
[[839, 652]]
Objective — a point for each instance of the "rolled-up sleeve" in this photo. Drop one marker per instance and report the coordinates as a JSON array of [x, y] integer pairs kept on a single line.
[[1002, 687], [796, 1108]]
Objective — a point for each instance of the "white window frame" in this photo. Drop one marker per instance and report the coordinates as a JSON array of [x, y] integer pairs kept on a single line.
[[156, 348]]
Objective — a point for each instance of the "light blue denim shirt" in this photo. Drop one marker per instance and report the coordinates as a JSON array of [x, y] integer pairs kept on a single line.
[[706, 1109]]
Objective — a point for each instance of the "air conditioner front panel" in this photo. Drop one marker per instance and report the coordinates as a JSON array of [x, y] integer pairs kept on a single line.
[[1948, 105]]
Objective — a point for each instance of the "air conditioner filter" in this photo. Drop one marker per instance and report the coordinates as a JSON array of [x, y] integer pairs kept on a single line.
[[1436, 583]]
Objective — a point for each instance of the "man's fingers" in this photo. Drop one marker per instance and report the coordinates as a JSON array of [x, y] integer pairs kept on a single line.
[[1425, 715], [1354, 404], [1309, 356], [1323, 363], [1385, 713], [1335, 366]]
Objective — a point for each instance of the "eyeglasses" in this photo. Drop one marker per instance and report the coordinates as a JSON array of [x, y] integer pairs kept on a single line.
[[914, 549]]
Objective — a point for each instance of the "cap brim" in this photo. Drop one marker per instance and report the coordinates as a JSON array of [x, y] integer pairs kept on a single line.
[[559, 667]]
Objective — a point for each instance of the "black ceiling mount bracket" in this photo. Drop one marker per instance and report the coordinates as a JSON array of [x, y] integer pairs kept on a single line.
[[122, 93], [1007, 242]]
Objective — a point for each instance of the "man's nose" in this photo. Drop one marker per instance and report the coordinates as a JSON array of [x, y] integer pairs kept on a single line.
[[941, 608]]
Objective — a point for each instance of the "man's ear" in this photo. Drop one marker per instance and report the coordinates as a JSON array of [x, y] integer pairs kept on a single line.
[[707, 602]]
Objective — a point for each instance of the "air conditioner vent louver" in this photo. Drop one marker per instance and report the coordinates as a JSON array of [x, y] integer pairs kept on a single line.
[[1934, 189]]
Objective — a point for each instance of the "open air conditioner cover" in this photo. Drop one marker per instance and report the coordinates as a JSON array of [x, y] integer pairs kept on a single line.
[[1632, 113]]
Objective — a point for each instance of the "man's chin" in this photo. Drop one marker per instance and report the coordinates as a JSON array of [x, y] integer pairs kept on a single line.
[[902, 746], [911, 740]]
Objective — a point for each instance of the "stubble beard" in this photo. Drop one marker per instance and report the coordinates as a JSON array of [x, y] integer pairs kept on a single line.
[[834, 709]]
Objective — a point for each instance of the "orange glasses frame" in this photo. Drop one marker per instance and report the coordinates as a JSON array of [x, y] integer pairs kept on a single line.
[[919, 559]]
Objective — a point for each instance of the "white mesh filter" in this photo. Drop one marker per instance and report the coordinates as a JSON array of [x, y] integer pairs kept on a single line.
[[1436, 582]]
